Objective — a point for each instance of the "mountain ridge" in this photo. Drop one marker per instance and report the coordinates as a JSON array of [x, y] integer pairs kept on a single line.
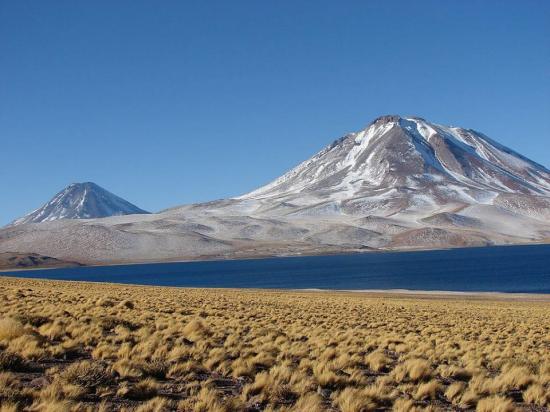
[[400, 183]]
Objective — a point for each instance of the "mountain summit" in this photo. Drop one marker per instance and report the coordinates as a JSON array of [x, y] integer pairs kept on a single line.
[[411, 159], [81, 201]]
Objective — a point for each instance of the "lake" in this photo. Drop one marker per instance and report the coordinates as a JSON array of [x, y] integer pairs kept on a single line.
[[524, 269]]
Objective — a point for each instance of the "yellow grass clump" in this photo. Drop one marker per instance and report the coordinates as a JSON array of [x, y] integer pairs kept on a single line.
[[10, 329]]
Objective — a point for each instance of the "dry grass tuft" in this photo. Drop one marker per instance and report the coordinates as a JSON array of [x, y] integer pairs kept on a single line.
[[144, 389], [12, 362], [495, 404], [404, 405], [10, 387], [515, 377], [537, 395], [377, 361], [309, 402], [10, 329], [428, 390], [454, 391], [156, 405], [353, 400], [414, 370], [9, 407], [86, 374]]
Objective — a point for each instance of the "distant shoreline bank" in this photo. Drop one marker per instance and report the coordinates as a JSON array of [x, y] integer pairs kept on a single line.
[[451, 272], [389, 293], [221, 258]]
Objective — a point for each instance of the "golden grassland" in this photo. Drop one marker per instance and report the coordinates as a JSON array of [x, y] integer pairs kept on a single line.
[[83, 346]]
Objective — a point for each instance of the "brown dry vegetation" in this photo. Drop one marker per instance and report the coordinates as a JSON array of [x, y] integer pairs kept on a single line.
[[82, 346]]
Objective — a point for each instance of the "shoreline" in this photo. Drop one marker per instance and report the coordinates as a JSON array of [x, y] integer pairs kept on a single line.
[[218, 258], [138, 275], [404, 293], [441, 293]]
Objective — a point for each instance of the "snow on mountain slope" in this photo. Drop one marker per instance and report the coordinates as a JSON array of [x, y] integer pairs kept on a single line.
[[80, 201], [400, 183], [410, 153]]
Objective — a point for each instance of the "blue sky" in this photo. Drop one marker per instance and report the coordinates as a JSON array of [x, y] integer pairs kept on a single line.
[[173, 102]]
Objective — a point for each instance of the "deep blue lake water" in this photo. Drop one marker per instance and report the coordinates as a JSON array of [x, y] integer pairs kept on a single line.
[[499, 269]]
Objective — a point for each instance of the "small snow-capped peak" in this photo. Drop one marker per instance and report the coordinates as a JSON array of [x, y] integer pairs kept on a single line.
[[80, 201]]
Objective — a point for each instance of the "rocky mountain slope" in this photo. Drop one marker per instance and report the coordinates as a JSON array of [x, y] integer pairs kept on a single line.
[[400, 183], [80, 201], [410, 156]]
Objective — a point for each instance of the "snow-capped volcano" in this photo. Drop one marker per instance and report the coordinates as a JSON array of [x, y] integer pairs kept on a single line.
[[408, 162], [80, 201]]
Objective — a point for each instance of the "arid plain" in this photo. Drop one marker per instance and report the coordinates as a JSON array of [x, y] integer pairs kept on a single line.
[[83, 346]]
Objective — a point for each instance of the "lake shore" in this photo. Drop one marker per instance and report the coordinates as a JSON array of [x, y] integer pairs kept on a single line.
[[421, 294], [441, 294], [244, 257], [513, 270]]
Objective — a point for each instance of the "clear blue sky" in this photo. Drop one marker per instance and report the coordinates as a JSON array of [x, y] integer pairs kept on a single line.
[[172, 102]]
